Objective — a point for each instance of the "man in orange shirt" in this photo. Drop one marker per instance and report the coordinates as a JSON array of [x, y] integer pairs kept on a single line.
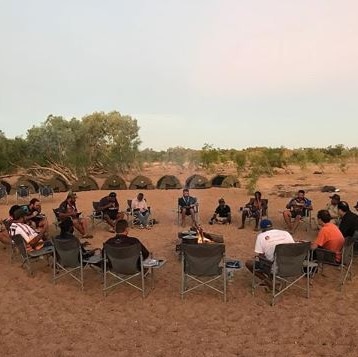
[[329, 236]]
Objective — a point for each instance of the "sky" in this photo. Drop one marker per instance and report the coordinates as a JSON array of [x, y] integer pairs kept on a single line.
[[228, 73]]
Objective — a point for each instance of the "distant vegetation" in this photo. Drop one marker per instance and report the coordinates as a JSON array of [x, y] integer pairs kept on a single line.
[[109, 143]]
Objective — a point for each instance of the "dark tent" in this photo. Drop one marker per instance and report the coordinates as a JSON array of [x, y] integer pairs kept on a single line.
[[28, 182], [141, 183], [84, 183], [225, 181], [57, 183], [168, 182], [197, 181], [114, 182], [6, 185]]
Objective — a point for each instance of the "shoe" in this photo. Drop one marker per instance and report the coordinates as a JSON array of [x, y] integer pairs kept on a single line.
[[141, 226], [241, 227], [256, 229], [211, 222], [148, 227]]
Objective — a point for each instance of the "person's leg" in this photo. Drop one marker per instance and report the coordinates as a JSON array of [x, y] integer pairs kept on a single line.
[[192, 214], [296, 222], [257, 220], [5, 238], [183, 214], [243, 218], [287, 217], [250, 266], [79, 226]]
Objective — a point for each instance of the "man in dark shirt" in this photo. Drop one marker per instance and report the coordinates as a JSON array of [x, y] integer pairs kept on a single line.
[[121, 239], [110, 208], [349, 221], [222, 213], [188, 206]]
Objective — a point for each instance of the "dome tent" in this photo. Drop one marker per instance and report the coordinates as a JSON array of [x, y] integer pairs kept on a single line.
[[168, 182], [32, 185], [141, 183], [114, 182], [84, 183], [225, 181], [6, 185], [57, 183], [197, 181]]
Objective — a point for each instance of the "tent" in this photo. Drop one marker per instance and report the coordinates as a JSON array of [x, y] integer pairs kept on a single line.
[[168, 182], [225, 181], [84, 183], [7, 186], [197, 181], [114, 182], [141, 183], [26, 181], [57, 183]]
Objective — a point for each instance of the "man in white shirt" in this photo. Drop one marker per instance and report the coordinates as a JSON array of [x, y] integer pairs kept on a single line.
[[266, 242], [33, 239], [141, 210]]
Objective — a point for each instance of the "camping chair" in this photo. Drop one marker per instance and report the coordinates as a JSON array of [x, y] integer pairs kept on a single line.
[[22, 192], [203, 265], [263, 212], [30, 256], [133, 216], [328, 257], [45, 191], [196, 213], [290, 265], [121, 263], [68, 260], [97, 216], [3, 194]]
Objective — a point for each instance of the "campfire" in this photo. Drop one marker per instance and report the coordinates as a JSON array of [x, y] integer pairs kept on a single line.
[[200, 235]]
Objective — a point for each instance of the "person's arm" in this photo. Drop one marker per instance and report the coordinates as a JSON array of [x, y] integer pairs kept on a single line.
[[145, 251], [290, 204]]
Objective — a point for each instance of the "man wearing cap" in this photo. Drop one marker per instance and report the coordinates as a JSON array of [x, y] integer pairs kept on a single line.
[[332, 208], [68, 208], [222, 213], [265, 245], [348, 220], [33, 239], [110, 208]]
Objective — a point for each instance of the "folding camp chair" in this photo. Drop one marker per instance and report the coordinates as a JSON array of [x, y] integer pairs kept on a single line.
[[3, 194], [328, 257], [196, 213], [30, 256], [290, 265], [203, 265], [22, 192], [68, 260], [125, 265], [133, 216], [263, 212], [97, 216], [45, 191]]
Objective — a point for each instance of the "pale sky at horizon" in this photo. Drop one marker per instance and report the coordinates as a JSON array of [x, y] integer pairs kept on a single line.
[[230, 73]]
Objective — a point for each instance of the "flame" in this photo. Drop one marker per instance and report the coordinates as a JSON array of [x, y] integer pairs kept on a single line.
[[200, 235]]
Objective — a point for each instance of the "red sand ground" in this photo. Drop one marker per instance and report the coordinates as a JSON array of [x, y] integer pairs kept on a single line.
[[38, 318]]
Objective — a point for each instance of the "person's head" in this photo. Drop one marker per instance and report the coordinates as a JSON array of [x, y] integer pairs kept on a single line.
[[324, 216], [301, 194], [13, 209], [112, 196], [122, 226], [185, 192], [257, 195], [343, 208], [19, 215], [140, 196], [66, 226], [221, 202], [35, 204], [265, 225], [335, 199], [71, 197]]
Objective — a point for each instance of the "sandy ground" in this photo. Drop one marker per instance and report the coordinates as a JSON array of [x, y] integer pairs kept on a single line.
[[38, 318]]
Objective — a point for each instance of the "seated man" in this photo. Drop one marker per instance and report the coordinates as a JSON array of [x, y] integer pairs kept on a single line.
[[187, 206], [265, 245], [33, 239], [110, 208], [332, 208], [68, 209], [141, 210], [222, 213], [35, 218], [297, 208], [121, 239], [348, 220], [329, 236], [256, 208]]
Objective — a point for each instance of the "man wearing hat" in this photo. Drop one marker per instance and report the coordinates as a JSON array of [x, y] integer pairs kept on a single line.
[[110, 208], [265, 245], [67, 209], [222, 213], [332, 208], [348, 220]]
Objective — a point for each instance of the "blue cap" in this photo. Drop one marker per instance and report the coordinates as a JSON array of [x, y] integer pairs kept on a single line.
[[265, 224]]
